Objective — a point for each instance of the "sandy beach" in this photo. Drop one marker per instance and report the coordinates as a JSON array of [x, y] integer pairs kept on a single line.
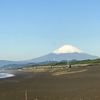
[[44, 86]]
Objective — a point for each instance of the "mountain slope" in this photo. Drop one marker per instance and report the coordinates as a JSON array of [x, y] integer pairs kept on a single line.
[[64, 53], [5, 62], [64, 56]]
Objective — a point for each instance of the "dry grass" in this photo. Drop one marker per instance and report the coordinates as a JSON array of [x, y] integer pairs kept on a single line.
[[68, 72], [55, 71], [35, 70]]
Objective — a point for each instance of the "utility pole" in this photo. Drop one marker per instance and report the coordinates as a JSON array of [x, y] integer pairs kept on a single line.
[[68, 62], [25, 95]]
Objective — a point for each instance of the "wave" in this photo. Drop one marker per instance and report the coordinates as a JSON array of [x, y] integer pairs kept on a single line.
[[5, 75]]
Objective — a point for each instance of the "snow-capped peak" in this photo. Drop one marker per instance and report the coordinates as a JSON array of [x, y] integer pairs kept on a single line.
[[67, 49]]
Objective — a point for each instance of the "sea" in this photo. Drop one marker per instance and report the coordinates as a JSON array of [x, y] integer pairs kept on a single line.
[[6, 75]]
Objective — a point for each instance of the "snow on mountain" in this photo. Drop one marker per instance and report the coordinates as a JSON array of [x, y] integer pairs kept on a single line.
[[67, 49]]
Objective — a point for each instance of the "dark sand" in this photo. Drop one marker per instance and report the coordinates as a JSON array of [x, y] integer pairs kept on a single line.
[[44, 86]]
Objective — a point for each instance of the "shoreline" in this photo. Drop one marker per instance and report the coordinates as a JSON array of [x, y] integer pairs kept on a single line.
[[6, 75]]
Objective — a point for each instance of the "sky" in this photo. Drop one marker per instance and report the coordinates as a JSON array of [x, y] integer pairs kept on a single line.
[[33, 28]]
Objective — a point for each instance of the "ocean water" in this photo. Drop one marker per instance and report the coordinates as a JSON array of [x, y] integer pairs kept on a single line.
[[5, 75]]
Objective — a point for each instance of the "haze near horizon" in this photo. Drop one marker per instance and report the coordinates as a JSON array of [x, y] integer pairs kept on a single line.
[[30, 29]]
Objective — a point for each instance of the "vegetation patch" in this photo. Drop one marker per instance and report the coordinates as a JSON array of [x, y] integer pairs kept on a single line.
[[36, 70], [88, 61], [68, 72], [53, 70], [40, 70]]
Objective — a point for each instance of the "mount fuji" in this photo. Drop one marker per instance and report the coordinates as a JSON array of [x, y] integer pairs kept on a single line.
[[64, 53]]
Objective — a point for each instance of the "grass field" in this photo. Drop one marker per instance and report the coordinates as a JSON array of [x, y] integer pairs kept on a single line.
[[68, 72]]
